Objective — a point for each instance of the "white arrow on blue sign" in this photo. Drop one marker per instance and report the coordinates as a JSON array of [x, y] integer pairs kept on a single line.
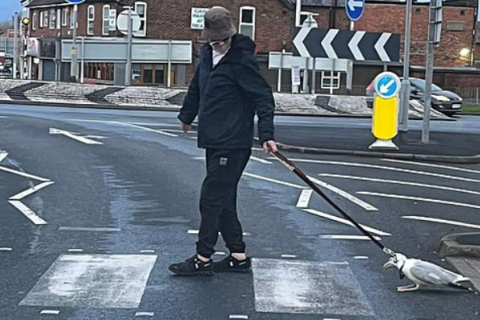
[[387, 85], [354, 9], [75, 1]]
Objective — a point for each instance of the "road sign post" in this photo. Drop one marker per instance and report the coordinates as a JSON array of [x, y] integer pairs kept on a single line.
[[385, 110], [405, 93], [74, 52]]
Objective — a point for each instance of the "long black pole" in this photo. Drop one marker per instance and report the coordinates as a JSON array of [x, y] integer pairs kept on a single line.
[[289, 164]]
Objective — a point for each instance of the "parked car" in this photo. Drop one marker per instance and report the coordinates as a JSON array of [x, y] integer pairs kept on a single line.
[[444, 101]]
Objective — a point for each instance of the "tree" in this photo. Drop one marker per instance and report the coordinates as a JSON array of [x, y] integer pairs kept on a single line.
[[5, 25]]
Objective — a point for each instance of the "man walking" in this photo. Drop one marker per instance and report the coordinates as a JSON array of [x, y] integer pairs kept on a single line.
[[226, 92]]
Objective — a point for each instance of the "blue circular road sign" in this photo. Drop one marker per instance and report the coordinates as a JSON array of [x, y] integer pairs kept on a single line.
[[354, 9], [75, 1], [387, 85]]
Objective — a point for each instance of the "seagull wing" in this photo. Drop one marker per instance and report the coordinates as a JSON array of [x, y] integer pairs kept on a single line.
[[429, 274]]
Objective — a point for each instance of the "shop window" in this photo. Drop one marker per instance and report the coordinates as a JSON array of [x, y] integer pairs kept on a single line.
[[53, 19], [136, 74], [141, 10], [330, 80], [247, 22], [147, 74], [106, 20], [90, 19], [159, 74]]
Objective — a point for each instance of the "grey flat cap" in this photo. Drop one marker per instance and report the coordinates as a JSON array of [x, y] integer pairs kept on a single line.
[[218, 25]]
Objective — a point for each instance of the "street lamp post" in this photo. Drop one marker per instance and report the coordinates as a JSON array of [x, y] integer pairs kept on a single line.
[[405, 92], [73, 66]]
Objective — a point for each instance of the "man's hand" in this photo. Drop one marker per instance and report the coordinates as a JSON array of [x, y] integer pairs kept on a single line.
[[185, 127], [270, 146]]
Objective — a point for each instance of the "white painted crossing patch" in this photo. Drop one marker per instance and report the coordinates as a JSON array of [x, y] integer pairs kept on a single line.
[[347, 237], [345, 221], [27, 212], [146, 129], [288, 184], [144, 314], [289, 286], [260, 160], [74, 136], [450, 222], [3, 155], [50, 312], [23, 174], [28, 192], [304, 198], [93, 281], [433, 165], [412, 184], [396, 196], [344, 194], [364, 165], [81, 229]]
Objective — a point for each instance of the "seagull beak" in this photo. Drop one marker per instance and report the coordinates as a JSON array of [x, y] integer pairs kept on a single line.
[[387, 265]]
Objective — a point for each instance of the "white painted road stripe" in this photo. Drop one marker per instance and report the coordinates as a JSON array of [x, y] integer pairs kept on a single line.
[[396, 196], [147, 129], [344, 194], [260, 160], [53, 312], [288, 184], [454, 223], [27, 212], [304, 198], [413, 184], [89, 229], [345, 221], [288, 256], [6, 249], [23, 174], [197, 231], [361, 258], [75, 250], [147, 251], [73, 136], [144, 314], [28, 192], [432, 165], [3, 155], [363, 165], [347, 237], [237, 316]]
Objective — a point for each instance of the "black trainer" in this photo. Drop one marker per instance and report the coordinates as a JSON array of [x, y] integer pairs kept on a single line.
[[230, 264], [192, 267]]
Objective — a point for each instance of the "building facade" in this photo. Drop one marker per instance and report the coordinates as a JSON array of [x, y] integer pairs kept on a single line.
[[166, 46]]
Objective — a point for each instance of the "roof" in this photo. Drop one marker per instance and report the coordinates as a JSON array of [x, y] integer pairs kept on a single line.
[[39, 3], [341, 3]]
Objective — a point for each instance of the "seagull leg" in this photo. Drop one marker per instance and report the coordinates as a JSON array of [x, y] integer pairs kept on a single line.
[[411, 287]]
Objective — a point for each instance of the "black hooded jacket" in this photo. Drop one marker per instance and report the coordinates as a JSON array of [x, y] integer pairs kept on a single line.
[[226, 98]]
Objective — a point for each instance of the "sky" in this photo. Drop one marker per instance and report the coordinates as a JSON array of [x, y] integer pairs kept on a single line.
[[8, 8]]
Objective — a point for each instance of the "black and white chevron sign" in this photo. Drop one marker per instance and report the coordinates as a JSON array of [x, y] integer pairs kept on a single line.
[[344, 44]]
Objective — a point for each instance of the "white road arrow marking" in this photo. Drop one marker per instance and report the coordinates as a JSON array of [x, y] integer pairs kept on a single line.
[[352, 4], [28, 192], [27, 212], [3, 155], [384, 88], [327, 43], [23, 174], [298, 42], [74, 137], [380, 47], [353, 45]]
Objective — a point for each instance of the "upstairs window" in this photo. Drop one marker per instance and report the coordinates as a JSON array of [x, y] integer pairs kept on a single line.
[[90, 20], [53, 19], [34, 21], [64, 17], [106, 20], [59, 19], [45, 19], [141, 10], [247, 22]]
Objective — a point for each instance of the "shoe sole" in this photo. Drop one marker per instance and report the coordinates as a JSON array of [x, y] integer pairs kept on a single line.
[[193, 274]]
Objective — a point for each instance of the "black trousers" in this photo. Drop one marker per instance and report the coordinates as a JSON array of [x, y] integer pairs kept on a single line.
[[218, 201]]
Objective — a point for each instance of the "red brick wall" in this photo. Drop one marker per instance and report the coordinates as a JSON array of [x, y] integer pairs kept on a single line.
[[391, 18]]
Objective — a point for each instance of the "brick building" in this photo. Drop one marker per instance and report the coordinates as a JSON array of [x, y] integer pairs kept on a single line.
[[271, 23]]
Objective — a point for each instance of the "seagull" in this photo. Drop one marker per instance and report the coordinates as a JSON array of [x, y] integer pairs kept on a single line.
[[424, 274]]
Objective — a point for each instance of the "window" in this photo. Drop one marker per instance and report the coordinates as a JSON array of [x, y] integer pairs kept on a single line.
[[106, 20], [41, 19], [34, 21], [45, 19], [59, 19], [247, 22], [141, 10], [330, 80], [90, 20], [64, 17], [53, 19]]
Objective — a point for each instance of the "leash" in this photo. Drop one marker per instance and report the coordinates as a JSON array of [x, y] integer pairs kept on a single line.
[[292, 167]]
